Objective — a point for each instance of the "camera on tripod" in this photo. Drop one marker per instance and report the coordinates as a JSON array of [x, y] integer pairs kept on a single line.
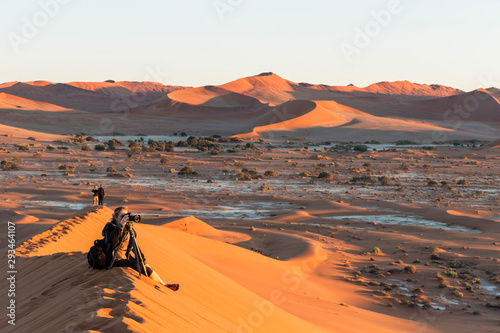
[[134, 218]]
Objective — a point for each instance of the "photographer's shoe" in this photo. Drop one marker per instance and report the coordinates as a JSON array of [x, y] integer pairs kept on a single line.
[[173, 286]]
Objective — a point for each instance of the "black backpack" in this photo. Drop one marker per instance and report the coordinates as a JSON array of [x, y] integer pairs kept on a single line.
[[97, 254]]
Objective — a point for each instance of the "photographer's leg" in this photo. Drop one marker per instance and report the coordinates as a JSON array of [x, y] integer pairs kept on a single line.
[[155, 276]]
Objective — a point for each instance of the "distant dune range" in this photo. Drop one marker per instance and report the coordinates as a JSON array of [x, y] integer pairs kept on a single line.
[[265, 106]]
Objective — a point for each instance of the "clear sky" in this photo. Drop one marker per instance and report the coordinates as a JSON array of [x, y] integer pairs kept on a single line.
[[199, 42]]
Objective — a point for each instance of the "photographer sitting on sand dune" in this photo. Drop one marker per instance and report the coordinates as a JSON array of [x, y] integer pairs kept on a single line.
[[114, 232]]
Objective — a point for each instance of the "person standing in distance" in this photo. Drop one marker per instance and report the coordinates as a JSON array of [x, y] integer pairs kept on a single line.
[[101, 194], [96, 196]]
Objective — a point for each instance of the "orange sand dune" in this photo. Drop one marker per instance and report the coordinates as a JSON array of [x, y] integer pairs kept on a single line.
[[8, 101], [274, 90], [406, 88], [478, 105], [318, 116], [194, 226], [93, 97], [266, 103], [336, 119], [212, 96], [22, 133], [494, 144], [125, 87], [8, 84], [224, 288]]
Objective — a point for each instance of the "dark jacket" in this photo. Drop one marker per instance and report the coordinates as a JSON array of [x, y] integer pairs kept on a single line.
[[113, 235], [95, 192], [100, 192]]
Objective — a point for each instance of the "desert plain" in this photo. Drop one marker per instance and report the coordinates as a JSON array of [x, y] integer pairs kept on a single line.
[[277, 206]]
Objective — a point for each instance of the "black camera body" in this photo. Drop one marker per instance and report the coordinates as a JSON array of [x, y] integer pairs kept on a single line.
[[134, 218]]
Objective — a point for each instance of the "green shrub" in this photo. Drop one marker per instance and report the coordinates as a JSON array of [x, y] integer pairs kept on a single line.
[[111, 170], [244, 176], [22, 147], [431, 182], [384, 180], [325, 175], [450, 273], [187, 171], [265, 187], [366, 179], [67, 167], [6, 165], [411, 269], [86, 148], [270, 173], [360, 148]]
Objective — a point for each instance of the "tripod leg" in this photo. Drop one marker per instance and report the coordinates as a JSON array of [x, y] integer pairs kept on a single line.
[[138, 257]]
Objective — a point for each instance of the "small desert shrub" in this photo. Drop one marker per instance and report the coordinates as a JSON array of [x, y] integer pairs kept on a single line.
[[435, 256], [360, 148], [405, 166], [265, 187], [450, 273], [251, 172], [325, 175], [377, 250], [411, 269], [457, 293], [86, 148], [426, 167], [100, 147], [270, 173], [32, 138], [164, 161], [6, 165], [366, 179], [432, 182], [463, 182], [244, 176], [67, 167], [111, 170], [187, 171], [22, 147], [384, 180]]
